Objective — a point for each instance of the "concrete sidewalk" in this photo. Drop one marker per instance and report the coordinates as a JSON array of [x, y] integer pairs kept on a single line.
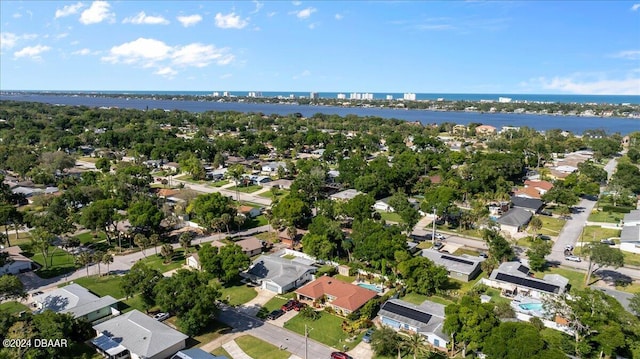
[[235, 351]]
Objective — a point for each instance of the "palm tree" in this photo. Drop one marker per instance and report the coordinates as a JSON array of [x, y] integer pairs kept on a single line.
[[535, 224], [166, 252], [236, 172], [107, 259], [141, 241], [154, 239], [226, 219], [239, 220], [416, 345], [185, 240], [97, 256], [292, 232], [84, 259]]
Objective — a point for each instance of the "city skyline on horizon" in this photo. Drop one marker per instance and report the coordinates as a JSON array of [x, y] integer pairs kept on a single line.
[[475, 47]]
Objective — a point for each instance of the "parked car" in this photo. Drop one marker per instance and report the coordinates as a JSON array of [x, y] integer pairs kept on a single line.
[[438, 245], [483, 255], [543, 237], [608, 241], [275, 314], [440, 236], [367, 336], [291, 304], [161, 316], [340, 355], [299, 306], [573, 258], [37, 293], [546, 213]]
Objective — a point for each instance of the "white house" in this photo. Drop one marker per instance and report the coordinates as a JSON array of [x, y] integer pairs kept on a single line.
[[77, 301], [425, 319], [17, 263], [272, 167], [278, 274], [383, 205], [514, 278]]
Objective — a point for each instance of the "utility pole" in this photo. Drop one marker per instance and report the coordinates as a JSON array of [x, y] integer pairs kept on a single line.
[[306, 336], [433, 234]]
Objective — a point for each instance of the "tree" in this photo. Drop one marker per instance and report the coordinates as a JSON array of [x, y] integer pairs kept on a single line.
[[537, 253], [499, 248], [188, 295], [515, 340], [401, 205], [470, 322], [8, 215], [145, 214], [103, 164], [107, 259], [416, 345], [185, 240], [226, 219], [359, 207], [11, 288], [209, 259], [154, 239], [602, 255], [634, 303], [102, 215], [141, 241], [167, 253], [84, 259], [236, 173], [441, 198], [205, 208], [232, 262], [385, 341], [42, 241], [191, 164], [141, 279], [97, 257], [291, 210], [535, 224], [318, 246], [422, 276]]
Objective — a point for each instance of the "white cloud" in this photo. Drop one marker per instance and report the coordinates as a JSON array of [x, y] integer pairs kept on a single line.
[[271, 14], [338, 16], [190, 20], [69, 10], [313, 25], [629, 54], [635, 7], [259, 6], [230, 21], [83, 52], [151, 53], [145, 19], [62, 35], [98, 12], [304, 13], [578, 84], [8, 40], [296, 3], [32, 51]]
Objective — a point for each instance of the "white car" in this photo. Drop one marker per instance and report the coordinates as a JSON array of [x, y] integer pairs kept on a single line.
[[440, 236], [568, 247], [161, 316], [573, 258]]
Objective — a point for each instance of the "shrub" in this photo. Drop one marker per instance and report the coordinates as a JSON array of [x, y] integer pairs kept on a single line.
[[617, 209]]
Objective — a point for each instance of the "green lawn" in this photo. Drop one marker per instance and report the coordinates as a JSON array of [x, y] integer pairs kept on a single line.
[[13, 307], [495, 296], [156, 262], [134, 303], [327, 329], [414, 298], [213, 331], [270, 237], [631, 258], [258, 221], [551, 226], [576, 279], [219, 183], [237, 295], [63, 263], [391, 216], [596, 233], [246, 189], [278, 193], [104, 285], [220, 352], [425, 245], [347, 279], [260, 349], [23, 238], [609, 217], [274, 303], [462, 250]]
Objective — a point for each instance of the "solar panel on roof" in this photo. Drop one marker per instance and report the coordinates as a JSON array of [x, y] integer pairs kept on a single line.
[[407, 312], [523, 269], [528, 283], [459, 260]]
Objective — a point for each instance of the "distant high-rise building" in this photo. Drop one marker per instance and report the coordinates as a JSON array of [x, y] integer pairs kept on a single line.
[[355, 96], [225, 94], [409, 96], [367, 96], [389, 97], [216, 94], [342, 96], [313, 95], [504, 99], [254, 94]]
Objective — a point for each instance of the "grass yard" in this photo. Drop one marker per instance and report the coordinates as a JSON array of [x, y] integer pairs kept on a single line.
[[327, 329], [270, 194], [631, 288], [391, 216], [551, 226], [23, 238], [104, 285], [239, 294], [462, 250], [274, 303], [258, 221], [13, 307], [132, 303], [631, 258], [213, 331], [156, 262], [270, 237], [576, 279], [246, 189], [425, 245], [347, 279], [219, 183], [220, 352], [470, 233], [609, 217], [260, 349], [61, 263], [495, 296], [596, 233], [415, 298]]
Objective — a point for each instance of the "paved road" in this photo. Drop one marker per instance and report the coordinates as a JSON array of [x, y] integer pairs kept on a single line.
[[292, 342], [244, 197]]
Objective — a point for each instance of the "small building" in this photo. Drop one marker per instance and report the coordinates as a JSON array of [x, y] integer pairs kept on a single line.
[[272, 168], [249, 212], [530, 204], [280, 184], [17, 262], [515, 220], [515, 278], [193, 261], [343, 298], [79, 302], [278, 274], [485, 130], [426, 319], [383, 205], [464, 268], [137, 335], [251, 246], [345, 195]]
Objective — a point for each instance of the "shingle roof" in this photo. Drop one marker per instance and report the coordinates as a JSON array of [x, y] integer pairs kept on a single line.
[[348, 296], [528, 203], [278, 270], [140, 333], [518, 274], [73, 299], [453, 263], [515, 217], [427, 317], [250, 244]]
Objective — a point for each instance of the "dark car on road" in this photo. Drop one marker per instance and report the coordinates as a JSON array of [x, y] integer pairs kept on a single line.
[[275, 314], [291, 304], [340, 355]]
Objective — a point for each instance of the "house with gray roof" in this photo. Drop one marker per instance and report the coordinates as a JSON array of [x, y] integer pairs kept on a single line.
[[17, 262], [515, 278], [79, 302], [532, 205], [196, 353], [278, 274], [514, 220], [426, 319], [345, 195], [630, 235], [137, 335], [464, 268]]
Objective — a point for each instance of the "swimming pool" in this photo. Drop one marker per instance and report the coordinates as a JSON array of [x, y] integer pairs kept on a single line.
[[531, 306], [370, 287]]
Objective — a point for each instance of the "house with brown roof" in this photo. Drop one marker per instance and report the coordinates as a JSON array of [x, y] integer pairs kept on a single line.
[[248, 211], [344, 298], [534, 189], [251, 246], [485, 130]]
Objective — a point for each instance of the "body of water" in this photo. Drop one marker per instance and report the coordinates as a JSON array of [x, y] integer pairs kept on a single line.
[[574, 124]]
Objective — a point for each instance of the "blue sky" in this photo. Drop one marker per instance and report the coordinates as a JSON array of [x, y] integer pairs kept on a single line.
[[544, 47]]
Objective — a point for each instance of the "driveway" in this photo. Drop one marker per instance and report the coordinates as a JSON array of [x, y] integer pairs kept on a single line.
[[362, 351], [284, 318], [253, 306]]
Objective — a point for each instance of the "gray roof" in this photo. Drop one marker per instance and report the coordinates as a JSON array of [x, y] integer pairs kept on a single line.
[[73, 299], [433, 319], [464, 265], [518, 274], [633, 216], [346, 194], [140, 333], [630, 234], [529, 203], [279, 270], [515, 217]]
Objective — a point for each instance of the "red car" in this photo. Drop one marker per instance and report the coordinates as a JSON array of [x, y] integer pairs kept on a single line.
[[340, 355], [290, 305], [298, 306]]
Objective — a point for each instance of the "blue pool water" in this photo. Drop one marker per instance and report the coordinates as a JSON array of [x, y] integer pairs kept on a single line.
[[531, 306], [370, 287]]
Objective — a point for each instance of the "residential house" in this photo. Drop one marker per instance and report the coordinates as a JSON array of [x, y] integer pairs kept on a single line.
[[249, 212], [534, 189], [138, 336], [514, 278], [464, 268], [514, 221], [77, 301], [27, 192], [426, 319], [271, 168], [281, 184], [289, 241], [251, 246], [343, 298], [345, 195], [17, 262], [196, 353], [172, 167], [383, 205], [193, 261], [278, 274], [216, 175], [630, 235], [485, 130], [530, 204]]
